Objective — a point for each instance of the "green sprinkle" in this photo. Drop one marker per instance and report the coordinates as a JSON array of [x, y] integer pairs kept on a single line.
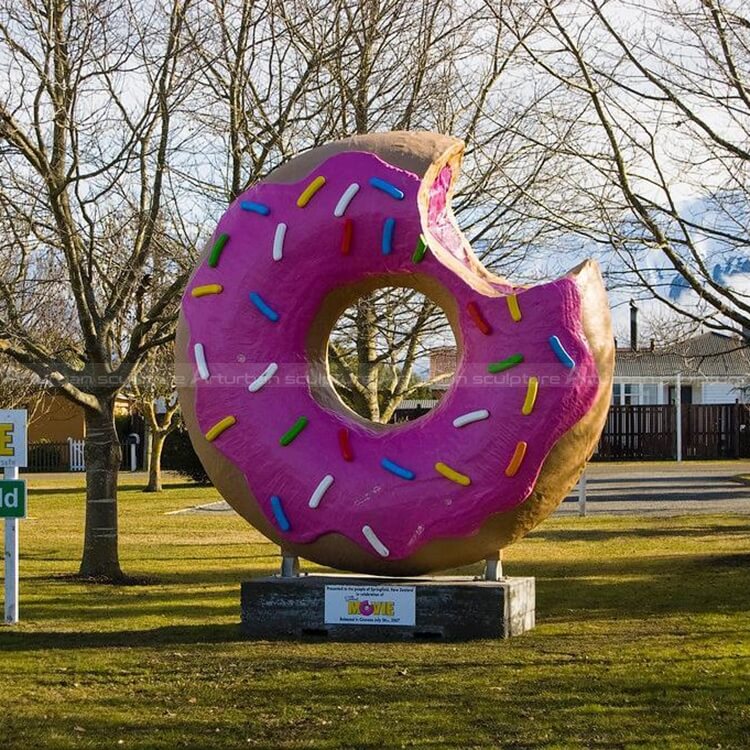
[[421, 249], [505, 364], [295, 430], [213, 259]]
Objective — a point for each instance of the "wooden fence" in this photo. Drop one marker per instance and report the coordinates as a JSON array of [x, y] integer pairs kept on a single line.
[[642, 433]]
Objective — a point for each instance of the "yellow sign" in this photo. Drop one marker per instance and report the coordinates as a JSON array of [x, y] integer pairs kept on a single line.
[[12, 438]]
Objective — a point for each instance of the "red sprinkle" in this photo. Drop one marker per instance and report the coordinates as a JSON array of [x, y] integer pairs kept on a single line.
[[478, 318], [346, 239], [346, 448]]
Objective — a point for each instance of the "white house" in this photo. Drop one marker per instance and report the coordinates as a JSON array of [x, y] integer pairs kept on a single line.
[[709, 369]]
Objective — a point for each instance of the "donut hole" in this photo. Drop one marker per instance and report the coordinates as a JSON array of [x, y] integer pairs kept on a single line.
[[390, 352]]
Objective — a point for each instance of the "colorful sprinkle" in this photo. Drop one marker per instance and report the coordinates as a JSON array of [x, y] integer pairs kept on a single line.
[[505, 364], [206, 289], [394, 468], [260, 303], [387, 187], [515, 462], [278, 513], [320, 490], [346, 237], [216, 250], [345, 200], [476, 315], [278, 241], [377, 545], [263, 378], [452, 474], [200, 361], [219, 427], [256, 208], [294, 430], [515, 310], [420, 250], [345, 445], [469, 417], [530, 400], [386, 244], [560, 352], [310, 190]]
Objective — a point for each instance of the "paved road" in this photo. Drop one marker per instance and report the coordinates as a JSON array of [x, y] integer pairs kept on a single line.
[[660, 489], [664, 488]]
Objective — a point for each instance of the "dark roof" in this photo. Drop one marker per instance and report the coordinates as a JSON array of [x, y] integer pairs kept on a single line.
[[709, 355]]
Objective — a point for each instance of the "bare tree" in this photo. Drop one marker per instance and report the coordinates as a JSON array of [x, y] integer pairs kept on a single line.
[[90, 126], [281, 77], [647, 107], [154, 391]]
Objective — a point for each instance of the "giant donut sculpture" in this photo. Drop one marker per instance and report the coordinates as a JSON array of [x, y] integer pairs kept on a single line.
[[497, 455]]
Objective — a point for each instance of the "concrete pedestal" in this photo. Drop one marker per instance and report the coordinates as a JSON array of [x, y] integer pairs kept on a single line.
[[368, 608]]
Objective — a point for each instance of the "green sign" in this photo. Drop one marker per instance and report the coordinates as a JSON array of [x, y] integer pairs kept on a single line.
[[13, 498]]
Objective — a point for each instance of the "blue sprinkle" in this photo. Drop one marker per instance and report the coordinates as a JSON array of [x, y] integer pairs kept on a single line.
[[560, 352], [260, 303], [387, 187], [394, 468], [386, 244], [279, 514], [256, 208]]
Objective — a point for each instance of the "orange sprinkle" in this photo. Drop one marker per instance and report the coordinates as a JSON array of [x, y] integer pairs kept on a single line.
[[515, 463]]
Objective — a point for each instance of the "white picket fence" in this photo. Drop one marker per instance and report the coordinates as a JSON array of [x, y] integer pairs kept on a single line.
[[76, 461]]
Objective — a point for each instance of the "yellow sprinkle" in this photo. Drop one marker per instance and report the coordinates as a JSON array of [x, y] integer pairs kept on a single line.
[[452, 474], [310, 190], [531, 391], [515, 310], [202, 291], [219, 427], [515, 462]]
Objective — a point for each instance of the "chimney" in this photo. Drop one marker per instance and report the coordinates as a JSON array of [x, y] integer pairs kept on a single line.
[[633, 326]]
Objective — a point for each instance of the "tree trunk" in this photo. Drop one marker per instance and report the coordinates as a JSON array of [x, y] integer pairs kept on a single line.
[[102, 453], [154, 461]]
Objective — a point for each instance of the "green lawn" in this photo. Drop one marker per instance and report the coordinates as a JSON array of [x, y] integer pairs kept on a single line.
[[643, 640]]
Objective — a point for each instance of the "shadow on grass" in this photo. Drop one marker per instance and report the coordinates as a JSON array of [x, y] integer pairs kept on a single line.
[[167, 635], [645, 532], [73, 490]]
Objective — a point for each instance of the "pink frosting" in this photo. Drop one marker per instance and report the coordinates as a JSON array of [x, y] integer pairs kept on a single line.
[[239, 343]]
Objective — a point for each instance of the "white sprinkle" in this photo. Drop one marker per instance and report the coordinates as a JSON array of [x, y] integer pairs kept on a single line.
[[469, 417], [200, 360], [263, 378], [278, 241], [346, 199], [320, 490], [378, 546]]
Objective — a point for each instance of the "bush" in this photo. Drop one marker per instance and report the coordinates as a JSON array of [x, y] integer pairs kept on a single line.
[[178, 455]]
